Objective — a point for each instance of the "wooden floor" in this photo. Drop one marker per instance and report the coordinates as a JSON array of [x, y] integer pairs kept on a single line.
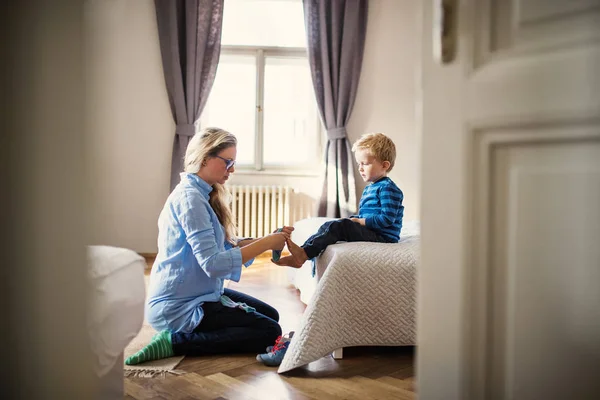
[[363, 373]]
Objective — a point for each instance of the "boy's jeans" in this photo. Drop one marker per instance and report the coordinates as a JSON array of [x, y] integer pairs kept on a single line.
[[340, 230], [230, 330]]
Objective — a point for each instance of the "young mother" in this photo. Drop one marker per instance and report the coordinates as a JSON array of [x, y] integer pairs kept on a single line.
[[197, 252]]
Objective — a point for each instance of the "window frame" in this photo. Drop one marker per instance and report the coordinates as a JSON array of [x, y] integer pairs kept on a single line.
[[261, 53]]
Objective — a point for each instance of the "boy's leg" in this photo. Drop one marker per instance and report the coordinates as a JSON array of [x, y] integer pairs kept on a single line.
[[227, 330], [329, 233], [335, 231]]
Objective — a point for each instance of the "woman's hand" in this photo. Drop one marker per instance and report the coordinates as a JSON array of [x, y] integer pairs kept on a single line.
[[278, 239], [274, 241], [286, 229]]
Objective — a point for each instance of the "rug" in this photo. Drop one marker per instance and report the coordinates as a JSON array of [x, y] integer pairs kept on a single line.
[[152, 368]]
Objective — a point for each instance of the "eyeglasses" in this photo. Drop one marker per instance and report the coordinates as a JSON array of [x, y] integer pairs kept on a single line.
[[228, 163]]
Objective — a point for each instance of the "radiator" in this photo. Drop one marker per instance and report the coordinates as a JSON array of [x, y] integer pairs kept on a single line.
[[259, 210]]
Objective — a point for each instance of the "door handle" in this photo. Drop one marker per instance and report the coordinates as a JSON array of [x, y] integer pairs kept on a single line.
[[445, 30]]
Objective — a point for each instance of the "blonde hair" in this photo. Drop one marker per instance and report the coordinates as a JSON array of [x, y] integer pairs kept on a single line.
[[379, 146], [209, 143]]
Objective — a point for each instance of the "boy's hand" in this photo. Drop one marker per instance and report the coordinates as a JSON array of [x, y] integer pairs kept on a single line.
[[358, 220]]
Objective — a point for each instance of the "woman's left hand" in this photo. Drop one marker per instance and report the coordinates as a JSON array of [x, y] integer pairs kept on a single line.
[[279, 239], [285, 229]]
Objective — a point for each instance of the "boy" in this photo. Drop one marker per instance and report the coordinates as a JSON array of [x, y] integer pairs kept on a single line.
[[380, 210]]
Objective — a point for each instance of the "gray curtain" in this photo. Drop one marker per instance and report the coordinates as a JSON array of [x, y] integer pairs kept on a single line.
[[336, 31], [190, 44]]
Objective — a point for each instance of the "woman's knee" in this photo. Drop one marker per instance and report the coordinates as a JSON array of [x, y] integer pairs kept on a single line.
[[266, 310], [272, 313], [276, 331], [272, 329]]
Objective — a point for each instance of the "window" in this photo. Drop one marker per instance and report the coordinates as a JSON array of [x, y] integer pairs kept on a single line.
[[263, 90]]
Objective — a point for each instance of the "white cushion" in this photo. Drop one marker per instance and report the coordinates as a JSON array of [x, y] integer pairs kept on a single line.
[[307, 227], [302, 278], [117, 297]]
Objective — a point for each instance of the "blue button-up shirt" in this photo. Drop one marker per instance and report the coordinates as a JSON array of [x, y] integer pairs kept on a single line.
[[193, 259]]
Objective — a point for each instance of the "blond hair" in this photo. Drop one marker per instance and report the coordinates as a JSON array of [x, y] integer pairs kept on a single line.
[[379, 146], [209, 143]]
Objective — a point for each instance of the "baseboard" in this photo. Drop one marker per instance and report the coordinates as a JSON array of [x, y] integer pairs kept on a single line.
[[148, 255]]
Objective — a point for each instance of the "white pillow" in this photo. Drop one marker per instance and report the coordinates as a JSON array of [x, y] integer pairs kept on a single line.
[[307, 227], [116, 307]]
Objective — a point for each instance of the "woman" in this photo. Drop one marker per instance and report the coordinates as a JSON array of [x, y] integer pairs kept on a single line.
[[197, 252]]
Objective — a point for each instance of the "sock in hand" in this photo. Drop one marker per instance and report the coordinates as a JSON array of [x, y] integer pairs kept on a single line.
[[276, 254], [159, 347]]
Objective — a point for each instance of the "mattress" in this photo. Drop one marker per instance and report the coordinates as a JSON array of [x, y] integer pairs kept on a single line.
[[303, 278], [116, 303], [365, 295]]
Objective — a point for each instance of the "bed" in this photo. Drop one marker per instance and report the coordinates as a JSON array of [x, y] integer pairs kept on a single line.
[[116, 312], [363, 294]]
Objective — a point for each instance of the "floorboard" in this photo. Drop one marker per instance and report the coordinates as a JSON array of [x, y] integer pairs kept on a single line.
[[363, 373]]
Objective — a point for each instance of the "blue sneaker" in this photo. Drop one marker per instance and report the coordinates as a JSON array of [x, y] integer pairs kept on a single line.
[[278, 342], [274, 356]]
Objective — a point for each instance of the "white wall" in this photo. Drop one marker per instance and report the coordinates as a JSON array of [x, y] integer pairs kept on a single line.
[[131, 125], [387, 94]]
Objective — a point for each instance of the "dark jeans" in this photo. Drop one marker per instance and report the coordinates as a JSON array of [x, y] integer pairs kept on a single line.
[[340, 230], [230, 330]]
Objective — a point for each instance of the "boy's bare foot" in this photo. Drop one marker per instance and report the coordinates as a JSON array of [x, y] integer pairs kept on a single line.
[[288, 261], [297, 252]]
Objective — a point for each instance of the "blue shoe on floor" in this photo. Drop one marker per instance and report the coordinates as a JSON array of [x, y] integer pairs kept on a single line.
[[278, 341], [274, 356]]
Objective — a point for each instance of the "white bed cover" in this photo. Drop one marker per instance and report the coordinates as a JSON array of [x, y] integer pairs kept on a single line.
[[116, 308], [302, 278], [365, 296]]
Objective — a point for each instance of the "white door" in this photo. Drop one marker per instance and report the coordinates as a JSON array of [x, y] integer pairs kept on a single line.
[[509, 286]]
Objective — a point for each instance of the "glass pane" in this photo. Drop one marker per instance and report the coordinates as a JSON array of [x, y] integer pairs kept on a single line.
[[263, 23], [232, 101], [289, 112]]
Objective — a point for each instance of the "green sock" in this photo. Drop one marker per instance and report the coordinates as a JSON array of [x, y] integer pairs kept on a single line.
[[160, 347]]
